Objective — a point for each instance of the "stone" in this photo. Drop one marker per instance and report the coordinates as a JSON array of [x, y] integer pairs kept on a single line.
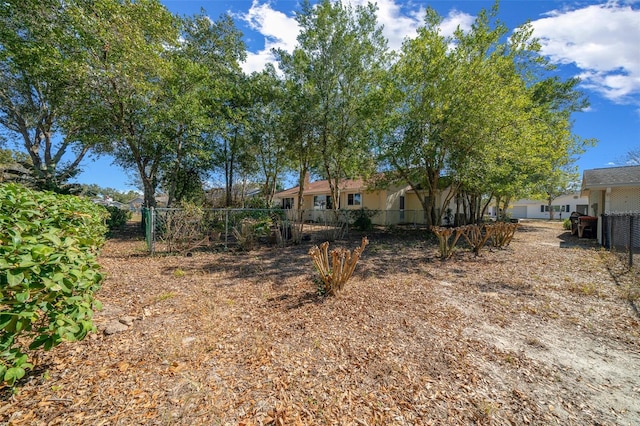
[[127, 320], [115, 327]]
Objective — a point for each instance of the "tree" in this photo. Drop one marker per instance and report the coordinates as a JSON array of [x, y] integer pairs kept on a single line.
[[217, 47], [633, 157], [473, 107], [127, 47], [41, 80], [265, 129], [11, 166], [340, 56], [437, 101], [556, 183]]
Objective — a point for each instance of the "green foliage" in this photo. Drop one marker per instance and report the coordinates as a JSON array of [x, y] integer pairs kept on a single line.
[[363, 217], [566, 224], [48, 272], [249, 230], [117, 217]]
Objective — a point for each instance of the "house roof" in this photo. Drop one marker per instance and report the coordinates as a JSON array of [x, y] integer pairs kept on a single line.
[[610, 177], [322, 187]]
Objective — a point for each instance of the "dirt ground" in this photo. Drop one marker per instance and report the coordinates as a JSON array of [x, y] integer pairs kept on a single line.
[[543, 332]]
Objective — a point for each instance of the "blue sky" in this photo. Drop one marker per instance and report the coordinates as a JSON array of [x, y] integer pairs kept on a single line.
[[596, 41]]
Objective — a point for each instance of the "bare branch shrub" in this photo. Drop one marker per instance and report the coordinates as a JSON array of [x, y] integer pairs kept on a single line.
[[477, 236], [335, 272], [447, 239], [503, 233], [183, 230]]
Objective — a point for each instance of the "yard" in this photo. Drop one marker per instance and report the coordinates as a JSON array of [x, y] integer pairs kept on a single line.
[[542, 332]]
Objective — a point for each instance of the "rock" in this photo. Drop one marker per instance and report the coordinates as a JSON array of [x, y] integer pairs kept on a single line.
[[188, 340], [127, 320], [115, 327]]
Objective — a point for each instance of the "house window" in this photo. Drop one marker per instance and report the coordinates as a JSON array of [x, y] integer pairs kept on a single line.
[[287, 203], [544, 208], [555, 208], [354, 199], [321, 202]]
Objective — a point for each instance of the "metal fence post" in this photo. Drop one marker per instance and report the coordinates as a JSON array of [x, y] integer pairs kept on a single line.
[[630, 241], [152, 224], [226, 229]]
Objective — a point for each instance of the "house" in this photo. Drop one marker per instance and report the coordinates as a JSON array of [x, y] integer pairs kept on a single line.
[[611, 190], [562, 207], [395, 205]]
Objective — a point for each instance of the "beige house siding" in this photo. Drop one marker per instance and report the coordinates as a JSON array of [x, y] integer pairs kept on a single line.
[[386, 201]]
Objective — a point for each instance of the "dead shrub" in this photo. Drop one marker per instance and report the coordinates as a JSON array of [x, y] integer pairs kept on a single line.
[[335, 272], [447, 239]]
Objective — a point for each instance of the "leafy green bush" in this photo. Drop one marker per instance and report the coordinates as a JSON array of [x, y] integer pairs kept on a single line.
[[363, 217], [48, 272], [566, 224], [117, 217]]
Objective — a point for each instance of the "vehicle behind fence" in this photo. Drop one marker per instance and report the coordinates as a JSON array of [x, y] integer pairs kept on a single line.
[[183, 230], [621, 232]]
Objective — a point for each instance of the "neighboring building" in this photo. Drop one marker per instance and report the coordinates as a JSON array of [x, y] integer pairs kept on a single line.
[[562, 207], [612, 190], [397, 205]]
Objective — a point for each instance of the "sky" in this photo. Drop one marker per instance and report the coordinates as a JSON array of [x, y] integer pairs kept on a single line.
[[597, 41]]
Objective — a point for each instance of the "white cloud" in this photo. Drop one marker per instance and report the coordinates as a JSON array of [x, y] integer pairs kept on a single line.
[[454, 20], [603, 41], [281, 30], [278, 29], [396, 25]]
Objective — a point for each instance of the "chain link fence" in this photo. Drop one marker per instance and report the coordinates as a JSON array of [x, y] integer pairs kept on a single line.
[[182, 230], [621, 232]]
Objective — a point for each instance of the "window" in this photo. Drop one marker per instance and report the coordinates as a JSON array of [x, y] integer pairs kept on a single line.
[[354, 199], [287, 203], [555, 208], [321, 202]]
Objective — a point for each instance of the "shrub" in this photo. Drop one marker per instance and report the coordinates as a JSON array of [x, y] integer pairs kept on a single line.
[[48, 272], [362, 220], [566, 224], [336, 266], [117, 217]]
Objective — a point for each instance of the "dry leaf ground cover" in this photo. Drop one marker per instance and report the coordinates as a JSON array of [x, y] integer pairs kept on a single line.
[[540, 333]]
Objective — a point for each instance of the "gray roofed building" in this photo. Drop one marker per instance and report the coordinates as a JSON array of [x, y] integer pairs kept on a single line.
[[612, 191], [610, 177]]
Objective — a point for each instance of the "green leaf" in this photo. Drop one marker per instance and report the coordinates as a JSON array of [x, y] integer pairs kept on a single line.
[[14, 277], [22, 297], [13, 374]]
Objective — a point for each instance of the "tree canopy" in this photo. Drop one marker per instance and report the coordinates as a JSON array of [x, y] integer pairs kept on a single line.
[[480, 111]]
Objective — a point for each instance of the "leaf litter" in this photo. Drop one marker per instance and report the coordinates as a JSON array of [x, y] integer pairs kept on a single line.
[[538, 333]]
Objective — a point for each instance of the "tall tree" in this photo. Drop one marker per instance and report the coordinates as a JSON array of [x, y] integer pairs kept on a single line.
[[340, 56], [427, 93], [41, 79], [218, 48], [466, 106], [127, 44], [266, 132]]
